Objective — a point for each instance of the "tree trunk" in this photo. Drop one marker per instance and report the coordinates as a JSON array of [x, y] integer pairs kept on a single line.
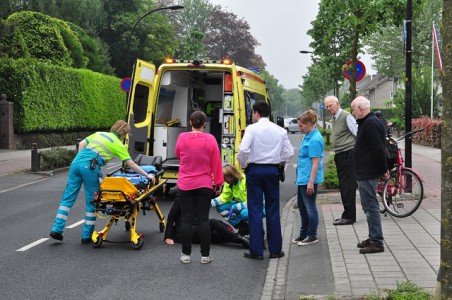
[[445, 273]]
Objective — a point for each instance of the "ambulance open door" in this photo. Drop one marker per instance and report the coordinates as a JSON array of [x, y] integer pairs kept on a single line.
[[141, 108]]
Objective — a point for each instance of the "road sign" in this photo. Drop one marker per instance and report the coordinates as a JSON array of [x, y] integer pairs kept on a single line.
[[360, 70], [322, 106], [125, 84]]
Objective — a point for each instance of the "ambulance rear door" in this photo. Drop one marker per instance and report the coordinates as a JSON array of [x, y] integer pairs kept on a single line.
[[141, 108]]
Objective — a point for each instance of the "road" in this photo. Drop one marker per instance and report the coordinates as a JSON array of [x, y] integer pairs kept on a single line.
[[36, 267]]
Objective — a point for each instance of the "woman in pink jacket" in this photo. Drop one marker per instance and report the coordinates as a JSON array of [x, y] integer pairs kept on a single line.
[[200, 177]]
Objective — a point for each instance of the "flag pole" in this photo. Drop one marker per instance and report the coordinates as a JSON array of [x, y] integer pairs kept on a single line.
[[433, 53]]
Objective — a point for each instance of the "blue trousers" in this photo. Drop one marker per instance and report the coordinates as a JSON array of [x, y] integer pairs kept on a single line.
[[79, 173], [235, 219], [261, 179], [308, 211], [371, 207]]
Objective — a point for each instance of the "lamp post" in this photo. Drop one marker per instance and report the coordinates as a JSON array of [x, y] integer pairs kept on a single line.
[[174, 7], [322, 108]]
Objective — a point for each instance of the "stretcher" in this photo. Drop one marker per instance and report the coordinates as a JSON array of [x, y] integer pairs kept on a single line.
[[122, 195]]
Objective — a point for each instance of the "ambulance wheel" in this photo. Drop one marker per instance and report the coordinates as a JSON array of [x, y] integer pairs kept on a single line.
[[98, 242], [138, 245], [127, 225], [162, 226]]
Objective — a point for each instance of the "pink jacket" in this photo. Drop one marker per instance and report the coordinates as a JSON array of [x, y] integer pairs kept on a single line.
[[200, 161]]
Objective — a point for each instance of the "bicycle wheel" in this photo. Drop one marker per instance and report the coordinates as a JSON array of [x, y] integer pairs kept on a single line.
[[380, 193], [403, 194]]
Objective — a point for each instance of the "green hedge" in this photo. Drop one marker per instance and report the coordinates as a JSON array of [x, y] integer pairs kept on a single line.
[[52, 98]]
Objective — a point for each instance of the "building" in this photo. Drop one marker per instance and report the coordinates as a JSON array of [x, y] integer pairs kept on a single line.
[[379, 89]]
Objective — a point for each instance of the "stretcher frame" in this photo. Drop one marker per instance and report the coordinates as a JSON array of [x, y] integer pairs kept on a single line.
[[120, 199]]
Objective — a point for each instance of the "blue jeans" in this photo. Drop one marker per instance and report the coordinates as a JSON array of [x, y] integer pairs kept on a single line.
[[308, 211], [371, 207]]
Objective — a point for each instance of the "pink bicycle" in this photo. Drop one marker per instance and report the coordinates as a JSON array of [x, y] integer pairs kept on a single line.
[[402, 191]]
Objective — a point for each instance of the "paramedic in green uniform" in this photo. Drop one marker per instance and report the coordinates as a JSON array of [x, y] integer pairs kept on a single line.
[[95, 151]]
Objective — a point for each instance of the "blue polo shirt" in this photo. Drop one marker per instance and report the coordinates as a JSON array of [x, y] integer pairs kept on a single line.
[[312, 146]]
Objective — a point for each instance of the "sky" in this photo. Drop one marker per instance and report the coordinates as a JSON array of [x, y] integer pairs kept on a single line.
[[281, 29]]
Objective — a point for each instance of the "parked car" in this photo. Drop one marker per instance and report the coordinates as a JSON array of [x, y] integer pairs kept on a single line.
[[291, 125]]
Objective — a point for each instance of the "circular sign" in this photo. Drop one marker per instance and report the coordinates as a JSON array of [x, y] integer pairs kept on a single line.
[[125, 84], [360, 70], [322, 106]]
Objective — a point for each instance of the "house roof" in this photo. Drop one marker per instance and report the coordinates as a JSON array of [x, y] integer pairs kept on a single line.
[[371, 83]]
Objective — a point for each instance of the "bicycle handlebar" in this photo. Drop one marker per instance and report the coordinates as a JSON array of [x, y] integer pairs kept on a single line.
[[410, 134]]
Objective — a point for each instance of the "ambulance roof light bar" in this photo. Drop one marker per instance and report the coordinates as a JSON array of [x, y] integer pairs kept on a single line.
[[198, 62]]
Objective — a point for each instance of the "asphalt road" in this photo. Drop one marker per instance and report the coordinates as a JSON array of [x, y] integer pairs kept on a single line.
[[36, 267]]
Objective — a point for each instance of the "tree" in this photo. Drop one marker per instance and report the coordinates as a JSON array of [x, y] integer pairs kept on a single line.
[[315, 85], [340, 27], [228, 36], [293, 100], [275, 91], [446, 158]]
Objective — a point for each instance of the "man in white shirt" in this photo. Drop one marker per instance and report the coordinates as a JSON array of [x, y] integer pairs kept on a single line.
[[264, 147]]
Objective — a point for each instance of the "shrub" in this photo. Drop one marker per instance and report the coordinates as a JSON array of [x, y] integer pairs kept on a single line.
[[56, 158], [331, 180]]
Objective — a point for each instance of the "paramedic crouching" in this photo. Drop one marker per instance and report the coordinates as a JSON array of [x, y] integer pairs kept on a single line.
[[95, 151]]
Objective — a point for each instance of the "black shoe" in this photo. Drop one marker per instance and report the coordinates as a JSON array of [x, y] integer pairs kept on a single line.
[[86, 241], [343, 222], [244, 228], [56, 235], [372, 248], [363, 244], [242, 240], [280, 254], [253, 256]]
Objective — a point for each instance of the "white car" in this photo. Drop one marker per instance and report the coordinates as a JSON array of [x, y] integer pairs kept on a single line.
[[291, 125]]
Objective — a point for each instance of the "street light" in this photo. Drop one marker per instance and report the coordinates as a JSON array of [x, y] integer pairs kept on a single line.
[[174, 7], [305, 52]]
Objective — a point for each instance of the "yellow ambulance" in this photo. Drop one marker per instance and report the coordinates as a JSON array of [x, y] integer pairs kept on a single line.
[[160, 103]]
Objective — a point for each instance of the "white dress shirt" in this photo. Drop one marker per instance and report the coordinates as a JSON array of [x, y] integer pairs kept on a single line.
[[264, 142]]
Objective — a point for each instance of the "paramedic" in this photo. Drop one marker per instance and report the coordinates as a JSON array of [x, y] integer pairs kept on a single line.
[[220, 232], [200, 164], [264, 147], [231, 204], [95, 151]]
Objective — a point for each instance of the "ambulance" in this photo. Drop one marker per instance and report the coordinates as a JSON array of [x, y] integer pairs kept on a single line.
[[160, 102]]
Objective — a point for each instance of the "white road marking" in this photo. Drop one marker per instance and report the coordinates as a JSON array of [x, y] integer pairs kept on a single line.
[[33, 244], [76, 224]]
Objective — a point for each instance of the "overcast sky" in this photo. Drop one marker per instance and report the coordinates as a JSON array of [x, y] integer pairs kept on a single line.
[[281, 29]]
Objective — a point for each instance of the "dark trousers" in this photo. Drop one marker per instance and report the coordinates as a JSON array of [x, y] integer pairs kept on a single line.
[[347, 183], [220, 233], [263, 180], [195, 202]]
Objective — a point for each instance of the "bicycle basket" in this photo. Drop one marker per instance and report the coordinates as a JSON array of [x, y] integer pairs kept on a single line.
[[391, 153]]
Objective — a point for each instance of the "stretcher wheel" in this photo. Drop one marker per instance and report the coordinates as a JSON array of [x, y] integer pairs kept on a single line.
[[98, 242], [138, 245], [162, 226], [127, 225]]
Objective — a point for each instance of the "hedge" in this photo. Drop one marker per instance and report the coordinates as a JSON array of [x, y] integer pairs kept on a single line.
[[50, 98]]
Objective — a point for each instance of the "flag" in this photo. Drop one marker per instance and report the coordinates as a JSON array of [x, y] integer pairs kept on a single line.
[[437, 49]]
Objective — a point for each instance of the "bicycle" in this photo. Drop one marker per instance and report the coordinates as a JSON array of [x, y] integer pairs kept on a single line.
[[402, 191]]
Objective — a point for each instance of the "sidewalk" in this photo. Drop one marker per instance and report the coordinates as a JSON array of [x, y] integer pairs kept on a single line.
[[332, 267]]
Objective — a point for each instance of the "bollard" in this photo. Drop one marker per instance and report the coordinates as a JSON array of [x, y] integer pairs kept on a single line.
[[76, 144], [35, 164], [328, 138]]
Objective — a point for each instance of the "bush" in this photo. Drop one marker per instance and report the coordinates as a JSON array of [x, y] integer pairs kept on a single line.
[[405, 290], [431, 136], [56, 158], [331, 180]]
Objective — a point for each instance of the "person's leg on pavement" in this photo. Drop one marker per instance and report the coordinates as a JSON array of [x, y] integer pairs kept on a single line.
[[311, 211], [303, 213], [91, 185], [74, 182], [273, 219], [202, 200], [255, 207], [347, 183], [186, 200]]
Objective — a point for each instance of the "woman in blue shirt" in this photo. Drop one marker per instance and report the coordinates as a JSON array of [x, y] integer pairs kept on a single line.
[[309, 175]]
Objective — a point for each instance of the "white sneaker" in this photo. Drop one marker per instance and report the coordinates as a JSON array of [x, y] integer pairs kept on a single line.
[[185, 258], [206, 259]]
